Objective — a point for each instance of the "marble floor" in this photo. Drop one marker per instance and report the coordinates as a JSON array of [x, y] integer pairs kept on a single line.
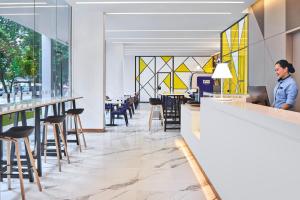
[[124, 163]]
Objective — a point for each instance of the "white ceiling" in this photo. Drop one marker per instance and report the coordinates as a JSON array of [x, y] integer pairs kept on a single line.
[[172, 27]]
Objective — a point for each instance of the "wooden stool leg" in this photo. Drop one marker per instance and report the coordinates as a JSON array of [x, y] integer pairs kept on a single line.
[[36, 176], [150, 118], [161, 114], [20, 170], [57, 147], [64, 141], [45, 141], [8, 165], [80, 126], [77, 134]]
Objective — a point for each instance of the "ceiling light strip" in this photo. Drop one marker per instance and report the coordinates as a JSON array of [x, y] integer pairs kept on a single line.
[[167, 46], [170, 50], [22, 3], [172, 13], [161, 38], [158, 2], [17, 14], [164, 42], [19, 7], [162, 30]]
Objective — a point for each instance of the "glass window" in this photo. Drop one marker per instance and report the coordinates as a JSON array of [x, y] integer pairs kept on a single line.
[[34, 49]]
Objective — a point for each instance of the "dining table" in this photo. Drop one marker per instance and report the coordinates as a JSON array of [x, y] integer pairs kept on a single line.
[[35, 105]]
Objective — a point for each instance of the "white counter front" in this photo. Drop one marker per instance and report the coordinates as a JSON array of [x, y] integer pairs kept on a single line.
[[249, 152]]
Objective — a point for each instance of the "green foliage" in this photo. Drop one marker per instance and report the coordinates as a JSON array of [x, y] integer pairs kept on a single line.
[[19, 52], [8, 120]]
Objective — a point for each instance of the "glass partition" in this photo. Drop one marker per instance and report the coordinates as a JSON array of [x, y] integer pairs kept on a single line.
[[34, 49]]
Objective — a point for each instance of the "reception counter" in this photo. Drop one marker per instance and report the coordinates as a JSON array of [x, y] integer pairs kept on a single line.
[[247, 151]]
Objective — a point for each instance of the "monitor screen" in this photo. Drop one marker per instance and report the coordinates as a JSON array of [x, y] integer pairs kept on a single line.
[[258, 95]]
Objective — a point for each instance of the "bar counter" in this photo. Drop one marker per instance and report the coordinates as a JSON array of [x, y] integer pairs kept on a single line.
[[248, 151], [36, 105]]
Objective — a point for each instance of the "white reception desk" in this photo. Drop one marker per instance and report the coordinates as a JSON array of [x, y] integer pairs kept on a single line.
[[248, 152]]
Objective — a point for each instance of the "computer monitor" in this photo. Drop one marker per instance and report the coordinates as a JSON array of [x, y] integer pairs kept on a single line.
[[258, 95]]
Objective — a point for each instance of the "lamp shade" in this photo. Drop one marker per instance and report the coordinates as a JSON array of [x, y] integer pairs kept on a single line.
[[222, 71]]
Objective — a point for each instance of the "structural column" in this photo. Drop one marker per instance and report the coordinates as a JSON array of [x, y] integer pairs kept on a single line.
[[114, 71], [88, 68], [46, 66]]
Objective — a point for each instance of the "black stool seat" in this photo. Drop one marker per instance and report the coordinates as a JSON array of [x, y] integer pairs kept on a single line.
[[55, 119], [18, 132], [75, 111], [155, 101]]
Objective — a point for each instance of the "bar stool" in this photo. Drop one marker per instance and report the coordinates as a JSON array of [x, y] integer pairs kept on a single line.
[[74, 113], [13, 135], [155, 103], [56, 121]]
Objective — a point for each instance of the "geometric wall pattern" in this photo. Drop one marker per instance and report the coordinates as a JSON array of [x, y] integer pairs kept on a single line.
[[234, 51], [170, 73]]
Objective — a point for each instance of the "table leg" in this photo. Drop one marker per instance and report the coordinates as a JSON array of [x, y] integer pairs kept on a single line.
[[75, 124], [1, 151], [13, 146], [54, 106], [44, 128], [74, 103], [63, 109], [24, 123], [38, 140], [59, 109]]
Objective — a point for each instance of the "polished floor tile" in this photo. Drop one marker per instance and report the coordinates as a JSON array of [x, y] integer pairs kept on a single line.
[[124, 163]]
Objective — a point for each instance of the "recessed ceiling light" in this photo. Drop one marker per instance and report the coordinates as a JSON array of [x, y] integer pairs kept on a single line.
[[158, 2], [172, 13]]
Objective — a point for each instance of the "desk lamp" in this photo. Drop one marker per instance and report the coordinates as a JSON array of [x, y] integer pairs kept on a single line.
[[222, 71]]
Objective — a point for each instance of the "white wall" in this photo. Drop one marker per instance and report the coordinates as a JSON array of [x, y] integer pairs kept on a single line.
[[129, 75], [296, 63], [114, 70], [265, 51], [88, 75]]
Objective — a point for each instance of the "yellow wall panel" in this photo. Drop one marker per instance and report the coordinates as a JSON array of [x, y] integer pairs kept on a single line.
[[143, 65], [243, 67], [166, 58], [226, 84], [225, 44], [182, 68], [239, 83], [235, 37], [178, 83], [167, 81], [209, 66]]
